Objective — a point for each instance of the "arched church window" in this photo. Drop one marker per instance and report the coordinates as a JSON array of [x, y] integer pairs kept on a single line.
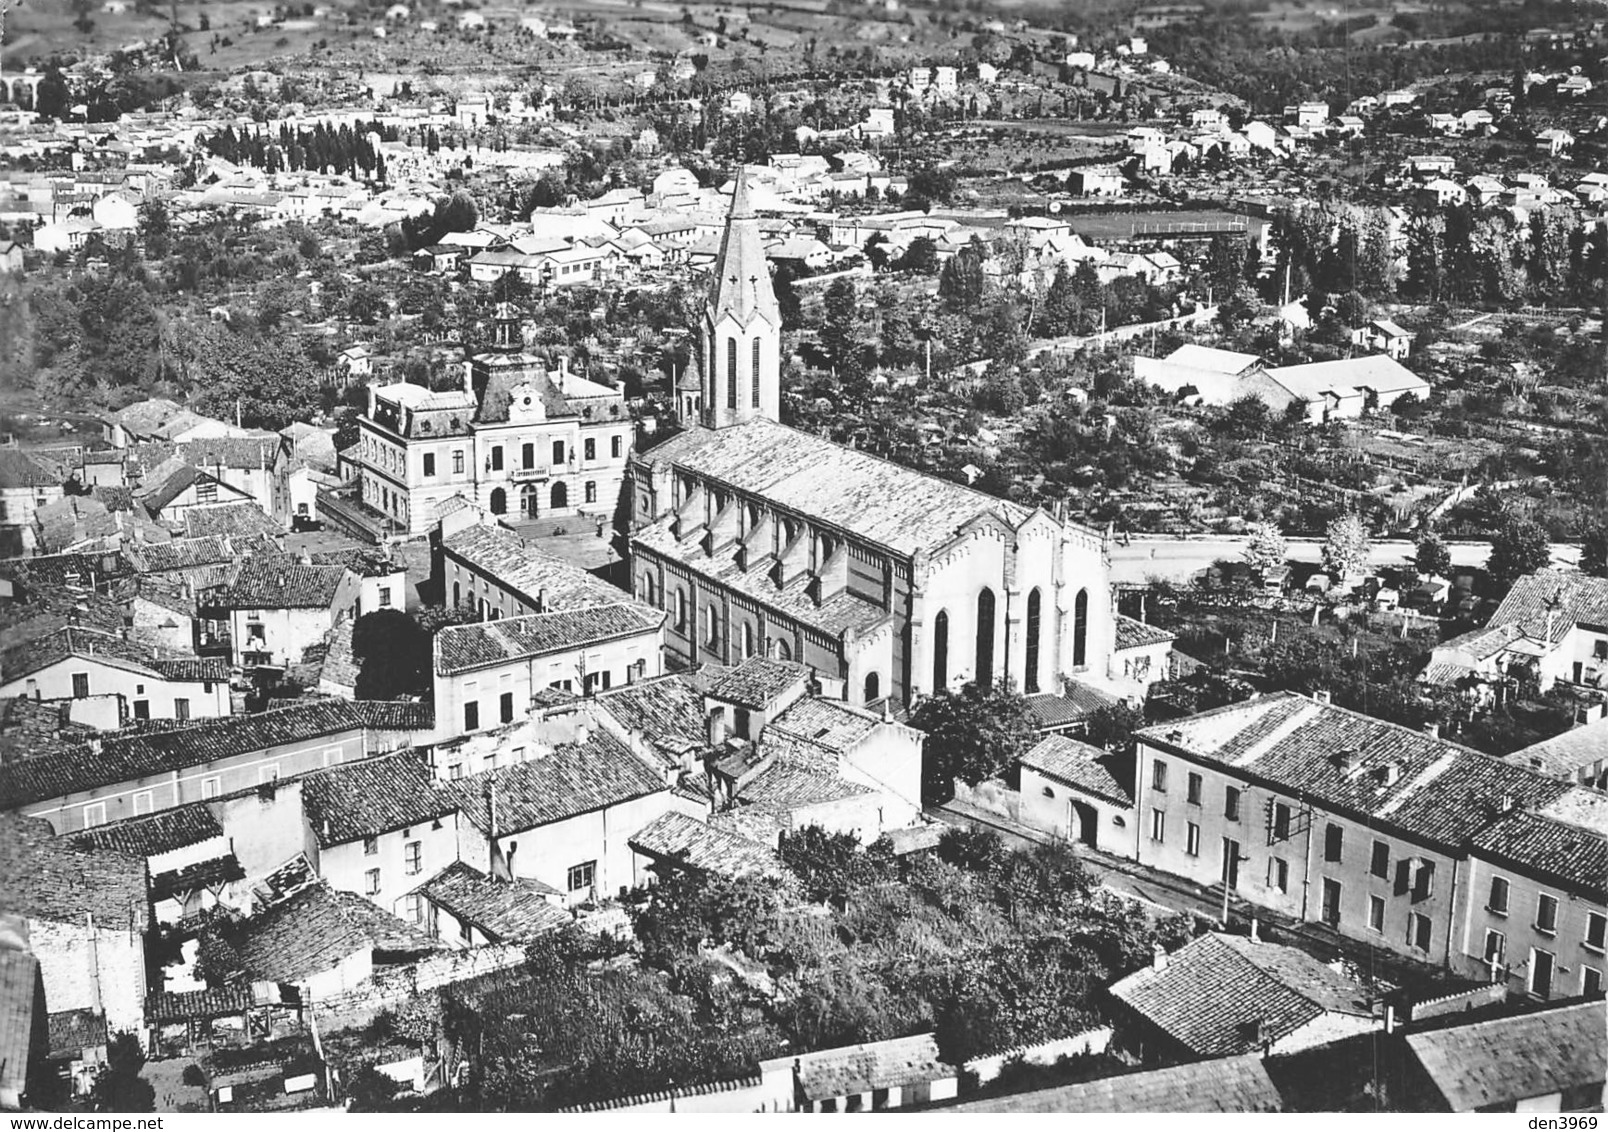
[[731, 373], [940, 651], [873, 687], [1030, 677], [1080, 629], [754, 372], [985, 637]]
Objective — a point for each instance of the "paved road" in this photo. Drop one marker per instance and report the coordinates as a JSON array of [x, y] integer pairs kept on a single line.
[[1179, 560]]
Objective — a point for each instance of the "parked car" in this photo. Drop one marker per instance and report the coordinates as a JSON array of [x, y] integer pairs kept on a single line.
[[300, 523]]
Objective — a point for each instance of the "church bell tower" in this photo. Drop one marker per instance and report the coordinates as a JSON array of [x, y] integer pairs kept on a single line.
[[741, 339]]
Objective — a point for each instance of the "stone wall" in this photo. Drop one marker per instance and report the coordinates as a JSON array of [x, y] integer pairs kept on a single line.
[[395, 985], [1045, 1053]]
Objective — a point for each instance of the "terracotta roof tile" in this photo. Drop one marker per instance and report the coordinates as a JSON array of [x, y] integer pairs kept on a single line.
[[1508, 1059], [1230, 1084], [1214, 990], [462, 648], [514, 910], [1080, 766], [371, 797]]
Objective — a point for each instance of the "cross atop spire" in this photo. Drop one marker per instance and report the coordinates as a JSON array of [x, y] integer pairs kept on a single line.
[[742, 284]]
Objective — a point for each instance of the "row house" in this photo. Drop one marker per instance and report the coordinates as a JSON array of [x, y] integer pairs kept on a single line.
[[489, 674], [1335, 818], [278, 608], [1552, 626], [127, 775], [104, 671], [495, 573]]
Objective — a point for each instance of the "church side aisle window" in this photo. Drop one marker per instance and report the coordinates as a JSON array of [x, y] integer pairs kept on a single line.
[[731, 373], [754, 372]]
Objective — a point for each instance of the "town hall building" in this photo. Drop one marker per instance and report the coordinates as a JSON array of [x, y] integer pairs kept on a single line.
[[517, 439], [758, 539]]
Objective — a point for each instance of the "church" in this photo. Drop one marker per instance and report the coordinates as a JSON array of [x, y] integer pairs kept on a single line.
[[759, 539]]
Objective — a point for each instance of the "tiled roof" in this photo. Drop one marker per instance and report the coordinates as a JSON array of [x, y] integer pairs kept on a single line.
[[275, 582], [874, 499], [1048, 711], [1509, 1059], [180, 554], [232, 451], [668, 711], [1080, 766], [44, 878], [18, 471], [783, 785], [841, 611], [73, 1031], [1572, 598], [832, 724], [1443, 792], [371, 797], [1229, 1084], [571, 779], [757, 681], [213, 873], [1213, 991], [193, 670], [687, 841], [183, 1006], [538, 577], [507, 911], [362, 561], [48, 571], [1133, 634], [232, 519], [852, 1070], [314, 931], [1565, 841], [30, 728], [393, 715], [1563, 755], [122, 758], [153, 833], [41, 652], [462, 648]]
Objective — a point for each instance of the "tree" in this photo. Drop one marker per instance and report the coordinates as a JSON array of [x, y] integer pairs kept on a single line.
[[1265, 550], [1113, 725], [54, 98], [1432, 557], [1225, 263], [961, 282], [876, 251], [369, 1090], [972, 734], [833, 866], [920, 255], [269, 378], [1594, 550], [838, 321], [119, 1087], [457, 213], [393, 655], [155, 228], [1345, 547], [1519, 547]]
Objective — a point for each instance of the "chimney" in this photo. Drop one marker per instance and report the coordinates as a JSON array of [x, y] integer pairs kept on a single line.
[[1509, 803], [1432, 730], [563, 372], [1390, 1018], [1158, 957], [1256, 936], [508, 862], [468, 378], [717, 727], [1347, 759], [541, 600], [1535, 763], [1390, 773], [326, 829], [1322, 696]]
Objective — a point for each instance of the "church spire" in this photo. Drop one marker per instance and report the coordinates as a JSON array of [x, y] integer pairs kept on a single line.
[[741, 337], [742, 285]]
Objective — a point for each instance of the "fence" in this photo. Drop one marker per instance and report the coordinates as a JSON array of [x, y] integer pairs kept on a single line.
[[1457, 1003], [1045, 1053]]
